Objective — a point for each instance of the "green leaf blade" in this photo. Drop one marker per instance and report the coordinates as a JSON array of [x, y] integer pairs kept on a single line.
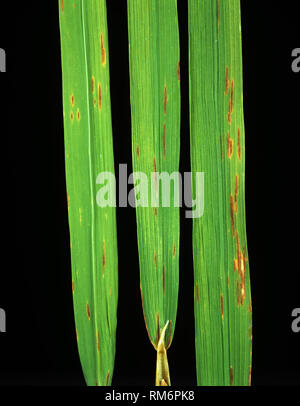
[[88, 152], [221, 266]]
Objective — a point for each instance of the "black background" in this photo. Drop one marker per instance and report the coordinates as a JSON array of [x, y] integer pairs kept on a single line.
[[39, 347]]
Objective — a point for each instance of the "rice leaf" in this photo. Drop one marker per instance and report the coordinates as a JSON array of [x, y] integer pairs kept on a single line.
[[89, 152], [221, 265], [155, 113]]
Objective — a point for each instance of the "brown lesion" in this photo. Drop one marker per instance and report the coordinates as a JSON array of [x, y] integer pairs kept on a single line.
[[93, 84], [62, 6], [235, 265], [72, 100], [165, 99], [250, 374], [229, 146], [88, 312], [174, 249], [241, 268], [231, 376], [107, 378], [230, 107], [103, 52], [137, 152], [78, 115], [242, 276], [236, 191], [155, 259]]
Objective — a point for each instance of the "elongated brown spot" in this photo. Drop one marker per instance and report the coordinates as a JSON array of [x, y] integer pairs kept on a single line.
[[232, 213], [78, 115], [164, 140], [164, 279], [99, 97], [222, 305], [98, 342], [235, 265], [231, 98], [62, 6], [72, 116], [174, 250], [88, 310], [229, 117], [229, 146], [103, 52], [226, 81], [103, 258], [236, 191], [231, 376], [197, 292], [165, 99], [178, 71], [249, 378], [239, 144], [93, 84], [230, 107], [72, 100], [68, 201], [107, 378], [137, 152], [242, 276], [154, 164], [155, 211], [238, 250], [155, 259]]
